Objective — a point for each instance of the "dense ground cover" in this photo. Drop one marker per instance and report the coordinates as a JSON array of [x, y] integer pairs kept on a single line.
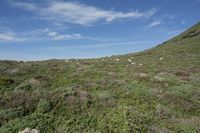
[[157, 90]]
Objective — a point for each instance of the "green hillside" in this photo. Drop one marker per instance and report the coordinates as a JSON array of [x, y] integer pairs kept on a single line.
[[154, 91]]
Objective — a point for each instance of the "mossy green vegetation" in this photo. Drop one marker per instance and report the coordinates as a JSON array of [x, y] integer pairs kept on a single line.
[[157, 90]]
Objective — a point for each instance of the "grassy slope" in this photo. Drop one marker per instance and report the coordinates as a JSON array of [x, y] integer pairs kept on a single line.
[[158, 92]]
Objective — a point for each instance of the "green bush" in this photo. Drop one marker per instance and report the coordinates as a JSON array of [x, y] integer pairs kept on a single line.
[[44, 123], [6, 81], [44, 106]]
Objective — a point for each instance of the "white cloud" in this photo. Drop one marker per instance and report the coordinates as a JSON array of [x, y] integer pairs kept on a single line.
[[77, 13], [43, 34], [154, 24], [9, 37], [52, 33], [58, 36], [24, 5], [176, 31], [67, 37]]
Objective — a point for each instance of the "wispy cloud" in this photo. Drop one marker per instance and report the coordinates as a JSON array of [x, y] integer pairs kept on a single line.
[[176, 31], [170, 17], [76, 13], [10, 37], [154, 24], [45, 34], [24, 5], [58, 36], [60, 48]]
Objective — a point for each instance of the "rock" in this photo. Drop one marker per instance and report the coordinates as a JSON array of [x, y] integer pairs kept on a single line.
[[117, 59], [143, 75], [34, 81], [129, 60], [28, 130]]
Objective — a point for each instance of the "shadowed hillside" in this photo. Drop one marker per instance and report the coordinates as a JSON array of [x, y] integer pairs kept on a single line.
[[157, 90]]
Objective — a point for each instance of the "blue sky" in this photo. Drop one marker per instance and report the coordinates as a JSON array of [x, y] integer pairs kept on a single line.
[[46, 29]]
